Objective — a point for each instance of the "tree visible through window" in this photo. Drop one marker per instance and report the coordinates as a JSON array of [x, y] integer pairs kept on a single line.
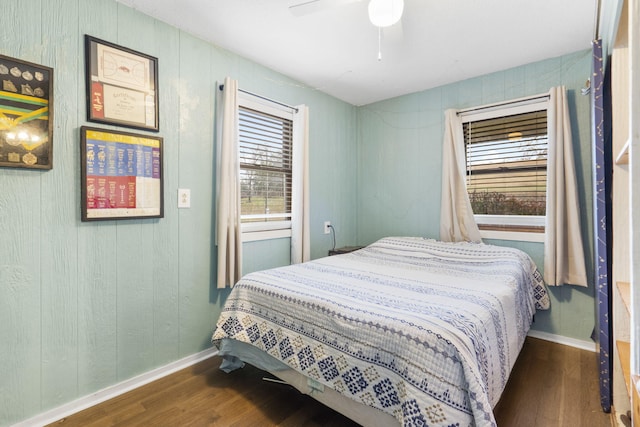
[[265, 143], [506, 160]]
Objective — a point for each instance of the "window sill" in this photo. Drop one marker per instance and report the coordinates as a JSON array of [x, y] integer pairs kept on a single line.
[[254, 236], [516, 235]]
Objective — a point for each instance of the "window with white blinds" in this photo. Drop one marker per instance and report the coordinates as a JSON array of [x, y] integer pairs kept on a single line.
[[265, 146], [507, 164]]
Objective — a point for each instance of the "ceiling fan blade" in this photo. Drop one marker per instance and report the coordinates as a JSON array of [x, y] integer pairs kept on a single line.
[[307, 7]]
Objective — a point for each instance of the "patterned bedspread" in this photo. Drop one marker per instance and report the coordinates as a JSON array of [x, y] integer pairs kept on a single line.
[[423, 330]]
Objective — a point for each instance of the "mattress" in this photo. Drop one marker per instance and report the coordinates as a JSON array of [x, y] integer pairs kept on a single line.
[[425, 331]]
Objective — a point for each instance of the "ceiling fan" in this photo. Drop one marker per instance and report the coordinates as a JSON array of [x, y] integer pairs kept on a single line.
[[382, 14]]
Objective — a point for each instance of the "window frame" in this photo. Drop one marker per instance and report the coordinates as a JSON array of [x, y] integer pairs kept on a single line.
[[512, 227], [256, 231]]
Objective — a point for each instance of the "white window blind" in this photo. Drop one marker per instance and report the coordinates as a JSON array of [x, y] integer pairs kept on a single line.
[[507, 164], [265, 145]]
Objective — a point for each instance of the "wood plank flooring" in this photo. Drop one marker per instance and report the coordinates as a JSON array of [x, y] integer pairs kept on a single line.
[[551, 385]]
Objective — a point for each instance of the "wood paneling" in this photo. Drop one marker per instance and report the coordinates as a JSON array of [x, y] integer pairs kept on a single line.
[[20, 253], [407, 201], [59, 245], [166, 233], [96, 261], [135, 249], [85, 305], [196, 143]]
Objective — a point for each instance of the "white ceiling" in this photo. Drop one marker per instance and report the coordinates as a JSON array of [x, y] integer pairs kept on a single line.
[[335, 49]]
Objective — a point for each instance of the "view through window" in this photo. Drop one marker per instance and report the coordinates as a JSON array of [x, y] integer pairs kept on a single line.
[[265, 144], [506, 161]]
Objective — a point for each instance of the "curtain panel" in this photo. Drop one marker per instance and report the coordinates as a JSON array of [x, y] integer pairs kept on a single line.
[[601, 148], [228, 231], [564, 261], [300, 234], [456, 214]]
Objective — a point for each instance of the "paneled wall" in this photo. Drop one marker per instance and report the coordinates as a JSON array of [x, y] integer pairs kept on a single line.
[[399, 167], [86, 305]]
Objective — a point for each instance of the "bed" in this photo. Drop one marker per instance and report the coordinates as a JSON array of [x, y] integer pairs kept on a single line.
[[407, 331]]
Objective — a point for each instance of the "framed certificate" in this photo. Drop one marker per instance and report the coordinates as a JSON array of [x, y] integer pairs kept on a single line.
[[26, 114], [122, 85], [121, 175]]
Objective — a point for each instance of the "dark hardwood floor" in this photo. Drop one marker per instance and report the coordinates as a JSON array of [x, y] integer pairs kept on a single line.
[[551, 385]]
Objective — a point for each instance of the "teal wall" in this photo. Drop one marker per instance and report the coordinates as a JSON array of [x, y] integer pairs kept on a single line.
[[399, 167], [86, 305]]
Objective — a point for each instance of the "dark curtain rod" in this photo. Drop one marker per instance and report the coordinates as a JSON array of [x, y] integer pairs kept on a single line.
[[221, 87]]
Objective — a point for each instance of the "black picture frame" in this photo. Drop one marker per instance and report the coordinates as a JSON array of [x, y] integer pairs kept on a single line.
[[121, 86], [26, 114], [121, 175]]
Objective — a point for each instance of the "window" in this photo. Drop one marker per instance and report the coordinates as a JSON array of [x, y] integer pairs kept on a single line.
[[506, 163], [265, 141]]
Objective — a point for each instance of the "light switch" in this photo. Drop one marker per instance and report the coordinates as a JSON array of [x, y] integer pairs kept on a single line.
[[184, 198]]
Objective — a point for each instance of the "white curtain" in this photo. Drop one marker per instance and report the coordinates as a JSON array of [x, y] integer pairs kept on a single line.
[[564, 261], [228, 232], [456, 215], [300, 243]]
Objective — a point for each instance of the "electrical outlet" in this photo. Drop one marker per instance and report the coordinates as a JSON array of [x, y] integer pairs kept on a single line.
[[327, 227], [184, 198]]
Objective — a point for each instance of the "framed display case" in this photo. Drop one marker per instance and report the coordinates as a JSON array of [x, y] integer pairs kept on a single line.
[[26, 114], [122, 85], [121, 175]]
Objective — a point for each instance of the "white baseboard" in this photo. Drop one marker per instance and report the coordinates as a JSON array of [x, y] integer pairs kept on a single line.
[[110, 392], [571, 342]]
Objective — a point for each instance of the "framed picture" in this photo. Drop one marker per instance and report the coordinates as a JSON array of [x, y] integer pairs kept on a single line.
[[121, 175], [122, 86], [26, 114]]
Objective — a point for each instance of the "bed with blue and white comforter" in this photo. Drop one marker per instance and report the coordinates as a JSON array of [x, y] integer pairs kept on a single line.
[[425, 331]]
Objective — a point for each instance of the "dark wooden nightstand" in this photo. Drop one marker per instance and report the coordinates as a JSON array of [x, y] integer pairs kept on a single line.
[[344, 250]]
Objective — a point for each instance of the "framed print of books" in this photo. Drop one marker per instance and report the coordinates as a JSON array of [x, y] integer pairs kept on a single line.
[[121, 175], [122, 86], [26, 114]]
